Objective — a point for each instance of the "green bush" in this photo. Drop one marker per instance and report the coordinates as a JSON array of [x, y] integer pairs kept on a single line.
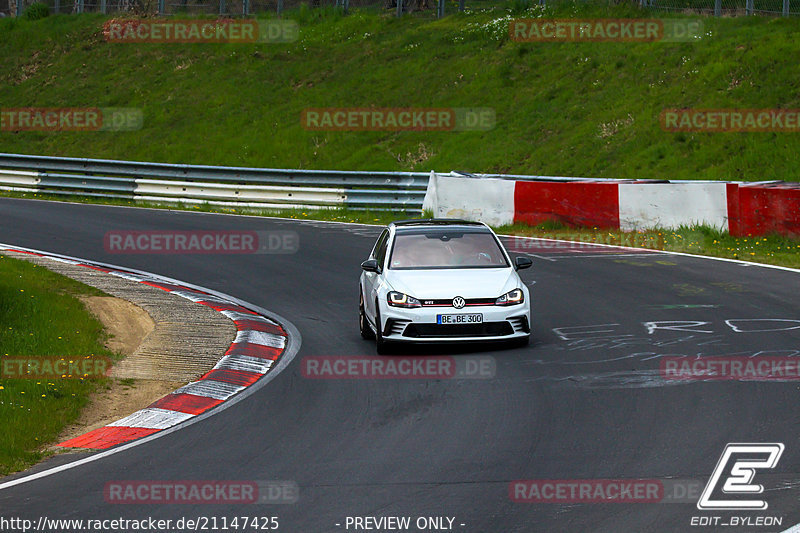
[[36, 11]]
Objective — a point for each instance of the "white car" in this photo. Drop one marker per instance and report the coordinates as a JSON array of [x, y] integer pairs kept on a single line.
[[441, 280]]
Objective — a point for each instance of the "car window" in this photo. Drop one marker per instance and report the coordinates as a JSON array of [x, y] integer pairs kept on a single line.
[[381, 240], [446, 249], [380, 254]]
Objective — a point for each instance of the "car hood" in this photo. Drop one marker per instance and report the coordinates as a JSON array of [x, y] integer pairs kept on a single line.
[[468, 282]]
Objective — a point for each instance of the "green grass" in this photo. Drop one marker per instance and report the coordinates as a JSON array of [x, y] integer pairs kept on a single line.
[[569, 109], [40, 315]]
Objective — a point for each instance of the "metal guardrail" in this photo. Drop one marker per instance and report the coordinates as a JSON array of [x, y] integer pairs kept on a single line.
[[239, 186], [235, 186]]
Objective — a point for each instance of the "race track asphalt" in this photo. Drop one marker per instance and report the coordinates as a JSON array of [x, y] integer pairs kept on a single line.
[[584, 401]]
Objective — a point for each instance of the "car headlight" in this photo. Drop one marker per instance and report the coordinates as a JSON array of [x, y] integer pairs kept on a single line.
[[511, 298], [398, 299]]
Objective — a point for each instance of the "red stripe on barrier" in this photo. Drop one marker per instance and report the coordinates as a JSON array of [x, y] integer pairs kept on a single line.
[[765, 209], [575, 204], [234, 377], [254, 350], [186, 403], [106, 437], [242, 325]]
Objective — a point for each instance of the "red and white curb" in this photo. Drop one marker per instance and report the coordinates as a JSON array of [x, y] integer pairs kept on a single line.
[[260, 341]]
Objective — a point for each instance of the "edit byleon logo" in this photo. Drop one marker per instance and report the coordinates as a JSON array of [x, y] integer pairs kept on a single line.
[[734, 475]]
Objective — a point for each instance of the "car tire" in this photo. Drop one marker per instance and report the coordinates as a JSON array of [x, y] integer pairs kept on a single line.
[[363, 325], [381, 346]]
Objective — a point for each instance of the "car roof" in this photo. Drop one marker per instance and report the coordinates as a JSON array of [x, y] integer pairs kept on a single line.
[[437, 222]]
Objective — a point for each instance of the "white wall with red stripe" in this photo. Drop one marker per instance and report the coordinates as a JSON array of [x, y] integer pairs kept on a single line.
[[741, 208]]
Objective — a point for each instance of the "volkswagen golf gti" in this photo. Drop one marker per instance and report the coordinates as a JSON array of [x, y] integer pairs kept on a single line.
[[442, 280]]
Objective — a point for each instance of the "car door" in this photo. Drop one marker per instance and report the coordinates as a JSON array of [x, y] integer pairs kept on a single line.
[[372, 279]]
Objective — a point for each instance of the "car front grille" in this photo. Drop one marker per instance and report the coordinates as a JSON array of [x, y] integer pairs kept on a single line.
[[484, 329], [448, 302]]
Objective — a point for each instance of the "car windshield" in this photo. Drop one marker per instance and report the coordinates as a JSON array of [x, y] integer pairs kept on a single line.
[[446, 249]]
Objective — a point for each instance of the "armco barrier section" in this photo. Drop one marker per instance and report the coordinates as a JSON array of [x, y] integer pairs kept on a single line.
[[497, 199], [229, 186]]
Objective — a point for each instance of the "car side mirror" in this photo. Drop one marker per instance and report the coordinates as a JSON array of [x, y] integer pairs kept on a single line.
[[371, 265], [521, 263]]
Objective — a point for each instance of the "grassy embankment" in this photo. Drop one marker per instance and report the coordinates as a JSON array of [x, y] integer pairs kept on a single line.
[[41, 316], [570, 109]]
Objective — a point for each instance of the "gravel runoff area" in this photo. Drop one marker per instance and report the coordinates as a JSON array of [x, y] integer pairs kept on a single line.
[[187, 340]]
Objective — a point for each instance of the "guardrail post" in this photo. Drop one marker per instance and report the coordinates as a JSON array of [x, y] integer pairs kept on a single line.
[[346, 6], [440, 9], [80, 6], [717, 8], [161, 6], [399, 7], [18, 10], [57, 6], [748, 7], [280, 7], [103, 7], [245, 7], [785, 8], [221, 7]]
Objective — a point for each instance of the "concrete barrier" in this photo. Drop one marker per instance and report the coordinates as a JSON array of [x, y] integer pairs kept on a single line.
[[591, 204], [740, 208], [483, 199], [671, 205]]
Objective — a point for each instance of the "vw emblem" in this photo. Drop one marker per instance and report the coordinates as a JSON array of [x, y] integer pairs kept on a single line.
[[458, 302]]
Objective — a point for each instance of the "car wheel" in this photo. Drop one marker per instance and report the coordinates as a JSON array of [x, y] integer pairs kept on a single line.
[[363, 325], [380, 345]]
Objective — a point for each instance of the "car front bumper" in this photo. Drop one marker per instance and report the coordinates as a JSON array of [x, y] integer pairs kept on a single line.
[[420, 324]]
